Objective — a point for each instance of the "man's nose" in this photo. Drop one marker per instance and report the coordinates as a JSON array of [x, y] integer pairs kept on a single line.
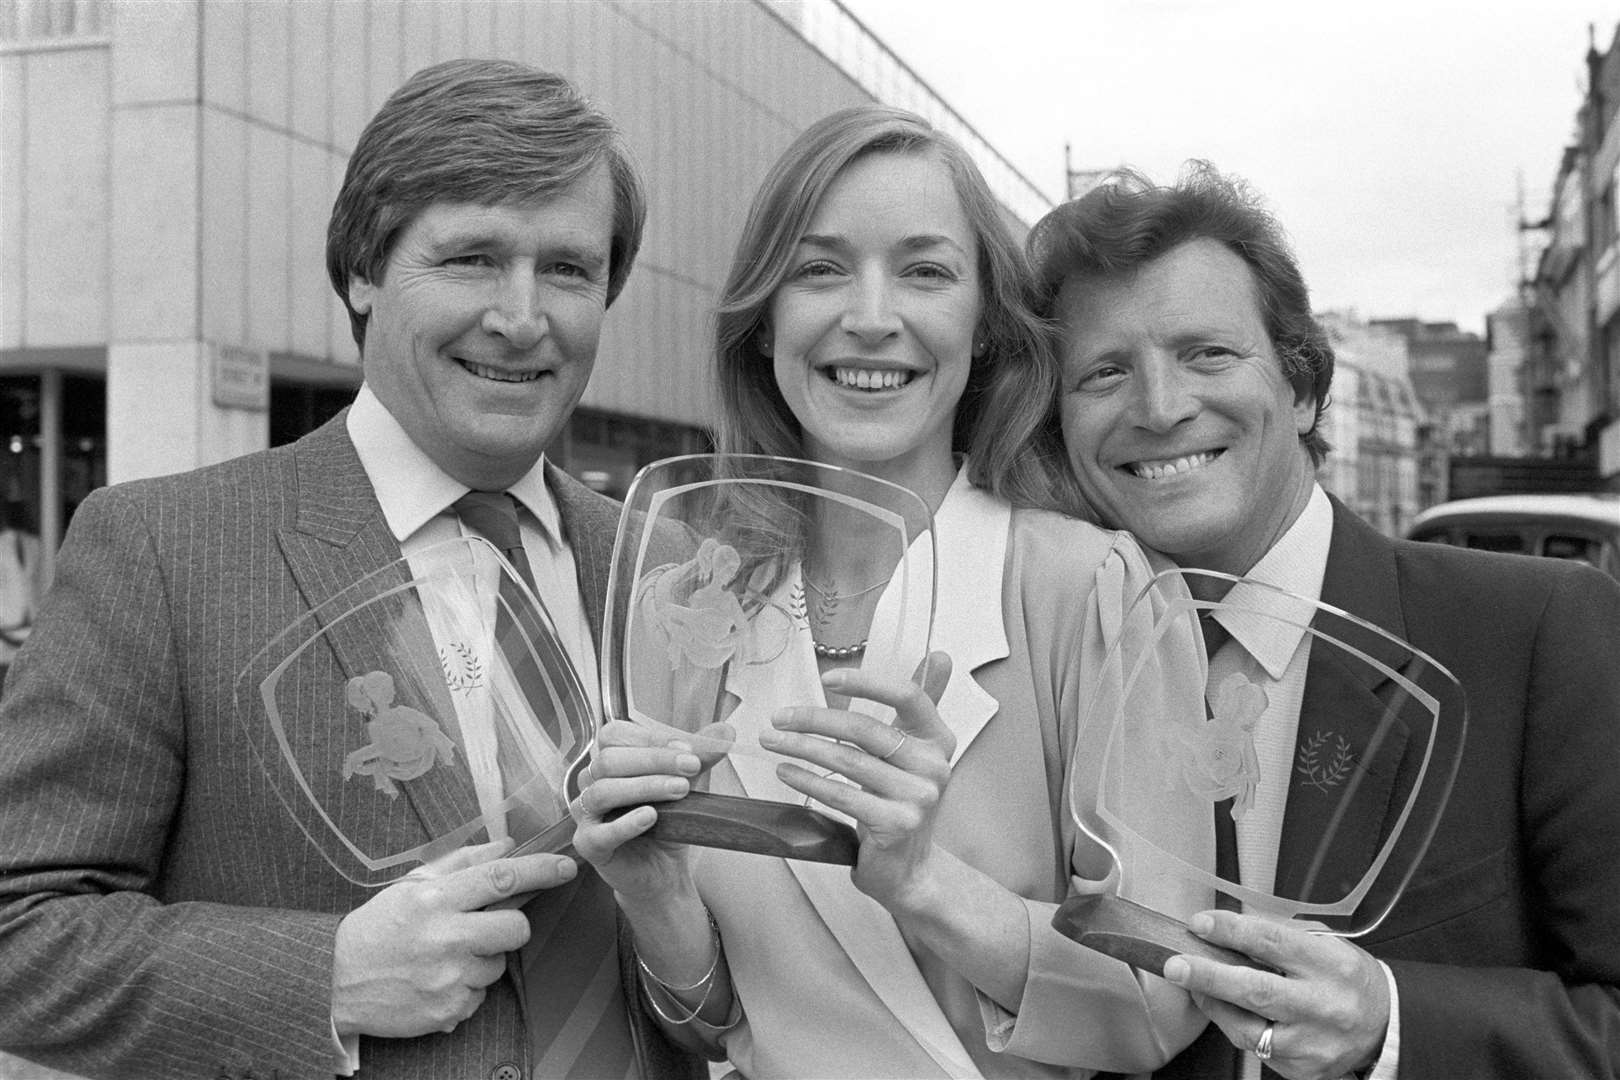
[[870, 313], [514, 311], [1165, 395]]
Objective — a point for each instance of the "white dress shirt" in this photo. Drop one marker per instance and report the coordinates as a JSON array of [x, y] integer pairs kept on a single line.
[[1274, 655], [417, 500]]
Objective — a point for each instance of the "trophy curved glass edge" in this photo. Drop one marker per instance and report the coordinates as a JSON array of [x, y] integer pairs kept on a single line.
[[290, 777], [652, 504], [1360, 910]]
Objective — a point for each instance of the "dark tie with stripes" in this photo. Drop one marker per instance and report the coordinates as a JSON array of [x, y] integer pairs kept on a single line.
[[568, 973], [1212, 1056]]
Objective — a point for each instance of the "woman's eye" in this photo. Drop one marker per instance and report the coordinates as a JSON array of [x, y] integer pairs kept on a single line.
[[816, 268], [934, 271]]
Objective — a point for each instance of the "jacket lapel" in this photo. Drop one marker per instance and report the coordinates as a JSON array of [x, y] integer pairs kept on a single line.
[[1333, 826], [590, 524], [970, 535], [338, 538]]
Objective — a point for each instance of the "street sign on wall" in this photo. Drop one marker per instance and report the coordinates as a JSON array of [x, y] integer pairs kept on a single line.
[[241, 377]]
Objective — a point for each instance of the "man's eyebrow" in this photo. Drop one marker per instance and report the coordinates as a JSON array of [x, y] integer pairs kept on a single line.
[[1217, 333], [580, 253], [462, 236], [474, 237]]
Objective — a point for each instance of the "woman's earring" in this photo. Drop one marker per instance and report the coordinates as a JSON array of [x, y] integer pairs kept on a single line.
[[980, 347], [765, 346]]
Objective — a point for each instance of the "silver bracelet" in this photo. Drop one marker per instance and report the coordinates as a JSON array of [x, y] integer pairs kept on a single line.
[[648, 980]]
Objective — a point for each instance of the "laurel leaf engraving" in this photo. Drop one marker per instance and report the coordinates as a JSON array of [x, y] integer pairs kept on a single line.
[[1321, 770], [463, 670]]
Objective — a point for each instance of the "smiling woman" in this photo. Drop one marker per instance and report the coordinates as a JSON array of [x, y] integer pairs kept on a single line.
[[877, 317], [871, 333]]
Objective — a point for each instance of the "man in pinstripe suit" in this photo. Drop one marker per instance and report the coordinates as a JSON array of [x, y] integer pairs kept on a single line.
[[160, 914]]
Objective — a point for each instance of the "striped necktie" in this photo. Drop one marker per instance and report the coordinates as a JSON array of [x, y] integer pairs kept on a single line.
[[568, 974], [1212, 1056]]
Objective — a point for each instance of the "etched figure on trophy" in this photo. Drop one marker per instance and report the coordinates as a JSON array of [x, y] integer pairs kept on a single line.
[[1171, 759], [715, 619]]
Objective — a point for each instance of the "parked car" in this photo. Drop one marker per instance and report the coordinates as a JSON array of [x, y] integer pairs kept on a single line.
[[1585, 527]]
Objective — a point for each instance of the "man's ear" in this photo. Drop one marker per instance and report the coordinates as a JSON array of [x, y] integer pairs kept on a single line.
[[361, 294]]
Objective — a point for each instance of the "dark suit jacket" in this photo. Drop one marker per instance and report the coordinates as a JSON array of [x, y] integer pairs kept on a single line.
[[160, 914], [1506, 945]]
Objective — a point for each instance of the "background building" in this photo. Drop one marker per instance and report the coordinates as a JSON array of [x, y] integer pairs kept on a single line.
[[1373, 424], [169, 166], [1451, 376], [1572, 373], [1507, 343]]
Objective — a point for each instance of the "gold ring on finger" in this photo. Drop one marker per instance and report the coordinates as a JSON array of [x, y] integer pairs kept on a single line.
[[1262, 1045]]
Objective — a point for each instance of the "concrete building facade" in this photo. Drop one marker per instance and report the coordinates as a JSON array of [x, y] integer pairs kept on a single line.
[[167, 168], [1572, 376]]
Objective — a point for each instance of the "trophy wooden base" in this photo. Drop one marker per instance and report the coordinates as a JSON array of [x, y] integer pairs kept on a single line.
[[757, 826], [1138, 936]]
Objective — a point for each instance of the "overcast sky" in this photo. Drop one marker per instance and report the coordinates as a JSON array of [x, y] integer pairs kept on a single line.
[[1390, 136]]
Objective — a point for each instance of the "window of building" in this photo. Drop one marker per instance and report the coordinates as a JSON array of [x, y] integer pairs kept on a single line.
[[296, 409]]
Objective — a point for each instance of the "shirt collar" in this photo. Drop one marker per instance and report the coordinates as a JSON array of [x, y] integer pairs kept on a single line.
[[412, 488], [1295, 564]]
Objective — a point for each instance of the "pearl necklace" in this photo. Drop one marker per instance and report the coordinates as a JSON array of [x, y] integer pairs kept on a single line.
[[838, 652], [830, 596]]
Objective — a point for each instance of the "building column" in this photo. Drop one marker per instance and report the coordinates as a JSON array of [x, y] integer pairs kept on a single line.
[[161, 413], [162, 416]]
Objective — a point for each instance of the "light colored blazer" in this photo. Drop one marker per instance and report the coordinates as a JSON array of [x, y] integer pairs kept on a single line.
[[1026, 602], [160, 914]]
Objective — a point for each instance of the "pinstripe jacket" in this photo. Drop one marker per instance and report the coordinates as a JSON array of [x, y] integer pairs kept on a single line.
[[160, 913]]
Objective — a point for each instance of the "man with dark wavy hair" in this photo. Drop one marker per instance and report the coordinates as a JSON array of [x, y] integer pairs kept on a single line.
[[1195, 377], [160, 913]]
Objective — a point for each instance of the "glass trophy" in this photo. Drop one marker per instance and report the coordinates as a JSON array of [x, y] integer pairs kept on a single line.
[[1179, 754], [713, 615], [425, 707]]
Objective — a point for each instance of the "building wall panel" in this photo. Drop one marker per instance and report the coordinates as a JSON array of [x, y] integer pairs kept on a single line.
[[308, 61], [309, 296], [270, 215], [155, 55], [13, 197], [224, 55], [480, 20], [66, 156], [347, 74], [507, 30], [269, 39], [224, 250], [384, 54], [420, 36], [340, 345], [154, 223]]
